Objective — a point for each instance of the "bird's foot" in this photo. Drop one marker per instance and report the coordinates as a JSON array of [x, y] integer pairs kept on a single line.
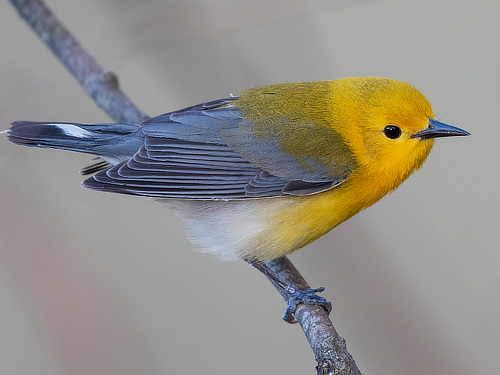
[[308, 297]]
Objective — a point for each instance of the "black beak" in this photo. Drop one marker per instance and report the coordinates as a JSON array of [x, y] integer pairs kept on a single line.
[[438, 129]]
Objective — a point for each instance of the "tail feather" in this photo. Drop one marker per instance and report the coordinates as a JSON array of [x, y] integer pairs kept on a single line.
[[65, 136], [94, 168], [113, 142]]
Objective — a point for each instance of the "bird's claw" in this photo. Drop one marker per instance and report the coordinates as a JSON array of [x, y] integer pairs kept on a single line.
[[309, 297]]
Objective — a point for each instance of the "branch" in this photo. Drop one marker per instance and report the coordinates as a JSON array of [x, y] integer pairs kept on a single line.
[[101, 86], [328, 347]]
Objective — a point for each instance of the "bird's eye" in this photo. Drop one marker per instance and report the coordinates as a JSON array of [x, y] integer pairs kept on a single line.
[[392, 131]]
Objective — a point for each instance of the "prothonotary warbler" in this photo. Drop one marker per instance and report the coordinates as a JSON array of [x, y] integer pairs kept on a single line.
[[263, 174]]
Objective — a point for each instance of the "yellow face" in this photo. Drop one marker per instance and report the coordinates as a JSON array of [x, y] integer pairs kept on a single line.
[[383, 116]]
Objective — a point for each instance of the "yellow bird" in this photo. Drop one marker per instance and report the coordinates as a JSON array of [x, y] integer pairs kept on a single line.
[[261, 175]]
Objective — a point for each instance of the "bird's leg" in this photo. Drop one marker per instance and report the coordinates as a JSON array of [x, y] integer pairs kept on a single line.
[[294, 295]]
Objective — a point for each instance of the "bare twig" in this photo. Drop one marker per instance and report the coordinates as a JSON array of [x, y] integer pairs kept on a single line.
[[329, 348], [101, 86]]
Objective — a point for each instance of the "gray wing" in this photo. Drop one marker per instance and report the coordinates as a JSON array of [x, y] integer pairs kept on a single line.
[[201, 152]]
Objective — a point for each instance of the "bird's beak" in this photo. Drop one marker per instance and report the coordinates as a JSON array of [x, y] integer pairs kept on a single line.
[[438, 129]]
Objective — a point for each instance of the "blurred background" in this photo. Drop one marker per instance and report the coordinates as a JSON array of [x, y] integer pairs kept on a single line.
[[96, 283]]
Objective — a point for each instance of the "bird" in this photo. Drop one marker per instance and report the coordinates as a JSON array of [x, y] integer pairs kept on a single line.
[[260, 175]]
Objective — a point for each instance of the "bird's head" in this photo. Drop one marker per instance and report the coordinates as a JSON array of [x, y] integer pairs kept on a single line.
[[389, 124]]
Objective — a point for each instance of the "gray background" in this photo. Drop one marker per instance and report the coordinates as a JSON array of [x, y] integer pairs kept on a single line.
[[95, 283]]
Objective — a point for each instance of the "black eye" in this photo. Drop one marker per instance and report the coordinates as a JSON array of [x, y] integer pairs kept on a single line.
[[392, 131]]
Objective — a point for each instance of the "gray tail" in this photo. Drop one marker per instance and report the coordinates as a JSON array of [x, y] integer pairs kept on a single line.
[[112, 142]]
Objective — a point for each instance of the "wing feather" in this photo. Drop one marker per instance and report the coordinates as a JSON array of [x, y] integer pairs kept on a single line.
[[209, 151]]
